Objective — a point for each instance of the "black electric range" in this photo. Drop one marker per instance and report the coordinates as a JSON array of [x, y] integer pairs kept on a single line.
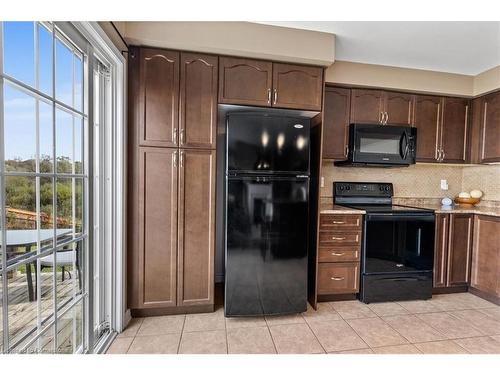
[[398, 243]]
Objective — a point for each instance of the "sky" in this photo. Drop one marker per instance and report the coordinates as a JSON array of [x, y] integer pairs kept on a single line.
[[20, 108]]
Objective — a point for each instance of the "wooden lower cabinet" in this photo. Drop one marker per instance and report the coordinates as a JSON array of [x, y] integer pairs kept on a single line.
[[338, 254], [441, 250], [486, 255], [157, 223], [174, 259], [453, 249], [196, 227], [459, 250], [338, 278]]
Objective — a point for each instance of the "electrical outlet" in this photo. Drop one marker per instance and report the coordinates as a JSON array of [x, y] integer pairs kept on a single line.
[[444, 185], [322, 182]]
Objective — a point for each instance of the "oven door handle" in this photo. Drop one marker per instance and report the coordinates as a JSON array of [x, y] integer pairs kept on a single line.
[[391, 216], [401, 279]]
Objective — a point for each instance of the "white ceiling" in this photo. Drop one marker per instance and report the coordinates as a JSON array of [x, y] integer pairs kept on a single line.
[[455, 47]]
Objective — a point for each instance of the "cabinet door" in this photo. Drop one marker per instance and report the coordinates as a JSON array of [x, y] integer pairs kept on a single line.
[[296, 86], [196, 227], [486, 255], [198, 100], [459, 250], [245, 81], [427, 120], [490, 139], [454, 130], [336, 122], [440, 250], [399, 108], [474, 136], [366, 106], [158, 226], [159, 97]]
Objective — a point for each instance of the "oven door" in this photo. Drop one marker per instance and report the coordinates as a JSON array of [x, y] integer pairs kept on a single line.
[[382, 144], [397, 243]]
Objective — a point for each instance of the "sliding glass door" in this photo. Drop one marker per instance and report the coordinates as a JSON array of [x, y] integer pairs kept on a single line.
[[45, 190]]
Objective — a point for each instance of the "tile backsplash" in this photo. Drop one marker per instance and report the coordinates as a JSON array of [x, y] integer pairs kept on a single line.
[[420, 180]]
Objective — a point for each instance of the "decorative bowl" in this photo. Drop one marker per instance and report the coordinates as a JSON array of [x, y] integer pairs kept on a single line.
[[467, 201]]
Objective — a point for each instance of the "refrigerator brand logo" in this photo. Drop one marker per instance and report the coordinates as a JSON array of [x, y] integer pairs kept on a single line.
[[298, 126]]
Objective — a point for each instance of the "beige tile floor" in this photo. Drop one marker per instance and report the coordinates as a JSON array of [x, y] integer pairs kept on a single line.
[[447, 324]]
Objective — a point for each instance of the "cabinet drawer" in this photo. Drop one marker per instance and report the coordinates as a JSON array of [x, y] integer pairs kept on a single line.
[[338, 278], [338, 254], [343, 222], [339, 238]]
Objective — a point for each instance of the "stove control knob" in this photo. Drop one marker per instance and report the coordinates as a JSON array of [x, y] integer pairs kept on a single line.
[[341, 187], [381, 188], [387, 188]]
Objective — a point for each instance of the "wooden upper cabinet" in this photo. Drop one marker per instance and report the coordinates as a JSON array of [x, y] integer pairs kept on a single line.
[[198, 100], [336, 122], [454, 130], [490, 129], [157, 224], [399, 108], [296, 86], [159, 97], [474, 134], [366, 106], [427, 120], [245, 81], [197, 170], [486, 255], [441, 250], [459, 250]]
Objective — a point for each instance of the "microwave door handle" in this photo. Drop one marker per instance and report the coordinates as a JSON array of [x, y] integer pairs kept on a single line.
[[403, 147]]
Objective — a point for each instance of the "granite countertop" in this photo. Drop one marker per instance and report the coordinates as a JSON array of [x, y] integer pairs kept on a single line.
[[478, 210], [327, 207]]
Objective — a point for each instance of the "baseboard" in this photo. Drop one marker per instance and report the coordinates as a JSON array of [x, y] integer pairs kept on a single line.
[[140, 313], [451, 289], [336, 297], [486, 296]]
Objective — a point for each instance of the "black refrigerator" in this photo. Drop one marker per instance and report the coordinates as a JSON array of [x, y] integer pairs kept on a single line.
[[266, 214]]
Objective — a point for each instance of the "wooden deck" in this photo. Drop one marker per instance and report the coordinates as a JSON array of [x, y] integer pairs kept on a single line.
[[23, 313]]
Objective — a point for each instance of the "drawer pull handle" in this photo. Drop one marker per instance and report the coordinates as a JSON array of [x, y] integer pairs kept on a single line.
[[338, 254], [338, 238], [337, 278], [338, 222]]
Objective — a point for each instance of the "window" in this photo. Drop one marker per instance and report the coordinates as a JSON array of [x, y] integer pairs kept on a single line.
[[44, 185]]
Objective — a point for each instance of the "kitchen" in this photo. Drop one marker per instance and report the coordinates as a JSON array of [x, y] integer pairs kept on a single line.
[[322, 191], [233, 157]]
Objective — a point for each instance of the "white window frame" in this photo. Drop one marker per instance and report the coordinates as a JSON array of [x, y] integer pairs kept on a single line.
[[114, 173]]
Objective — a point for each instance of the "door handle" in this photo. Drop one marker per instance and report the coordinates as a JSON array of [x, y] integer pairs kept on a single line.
[[181, 159], [386, 118], [337, 278], [338, 254], [275, 96], [181, 136], [380, 117], [174, 156], [338, 238], [268, 96], [338, 222]]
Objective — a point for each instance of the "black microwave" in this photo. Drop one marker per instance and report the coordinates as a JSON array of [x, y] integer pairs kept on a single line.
[[380, 146]]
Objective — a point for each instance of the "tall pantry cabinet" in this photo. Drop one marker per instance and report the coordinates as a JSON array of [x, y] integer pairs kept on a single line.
[[171, 181]]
